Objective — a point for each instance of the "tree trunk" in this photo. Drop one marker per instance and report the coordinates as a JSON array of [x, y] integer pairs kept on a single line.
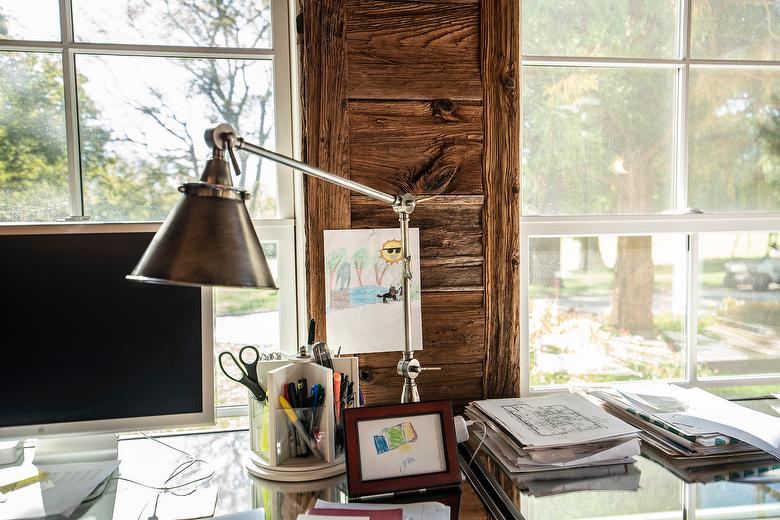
[[590, 254], [632, 298], [545, 261]]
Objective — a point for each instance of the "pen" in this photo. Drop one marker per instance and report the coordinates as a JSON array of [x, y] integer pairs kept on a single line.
[[304, 392], [350, 393], [336, 392], [294, 420], [291, 394], [315, 396]]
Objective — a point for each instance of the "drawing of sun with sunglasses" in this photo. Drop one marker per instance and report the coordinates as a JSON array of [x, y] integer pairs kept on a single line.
[[391, 251]]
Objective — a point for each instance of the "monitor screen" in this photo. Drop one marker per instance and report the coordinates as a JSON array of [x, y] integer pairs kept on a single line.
[[82, 343]]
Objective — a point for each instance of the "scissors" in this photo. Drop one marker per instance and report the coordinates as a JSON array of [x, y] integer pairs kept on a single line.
[[248, 371]]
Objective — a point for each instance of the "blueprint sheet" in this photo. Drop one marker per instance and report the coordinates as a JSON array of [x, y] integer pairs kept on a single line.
[[555, 420]]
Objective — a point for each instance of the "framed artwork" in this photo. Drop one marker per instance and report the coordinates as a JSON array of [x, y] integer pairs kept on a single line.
[[400, 447], [364, 300]]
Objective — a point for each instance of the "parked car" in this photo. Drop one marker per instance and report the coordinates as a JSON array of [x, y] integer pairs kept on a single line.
[[758, 273]]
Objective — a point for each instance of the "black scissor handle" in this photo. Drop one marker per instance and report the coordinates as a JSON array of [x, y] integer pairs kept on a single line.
[[245, 380], [239, 379], [251, 367]]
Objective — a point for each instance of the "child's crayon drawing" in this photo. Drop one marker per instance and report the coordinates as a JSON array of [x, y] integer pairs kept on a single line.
[[394, 437]]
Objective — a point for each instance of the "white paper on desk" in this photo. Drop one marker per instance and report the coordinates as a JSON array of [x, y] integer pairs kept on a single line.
[[513, 466], [66, 486], [415, 511], [627, 480], [324, 517], [709, 411], [555, 420]]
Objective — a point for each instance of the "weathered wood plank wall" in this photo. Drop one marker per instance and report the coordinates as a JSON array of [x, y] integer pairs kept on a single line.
[[400, 96]]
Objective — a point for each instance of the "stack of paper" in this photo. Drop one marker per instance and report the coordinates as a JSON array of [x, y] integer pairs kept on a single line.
[[693, 424], [615, 477], [552, 432], [407, 511], [28, 491], [757, 468]]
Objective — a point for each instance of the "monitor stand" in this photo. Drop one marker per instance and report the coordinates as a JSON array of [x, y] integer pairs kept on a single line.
[[102, 447], [77, 448]]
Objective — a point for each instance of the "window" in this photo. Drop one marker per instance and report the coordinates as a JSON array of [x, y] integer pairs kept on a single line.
[[651, 193], [102, 114]]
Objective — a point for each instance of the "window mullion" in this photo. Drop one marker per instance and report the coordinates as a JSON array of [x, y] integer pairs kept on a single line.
[[76, 198], [692, 311], [525, 339]]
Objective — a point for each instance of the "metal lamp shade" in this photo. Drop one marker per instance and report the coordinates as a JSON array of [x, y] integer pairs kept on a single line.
[[207, 240]]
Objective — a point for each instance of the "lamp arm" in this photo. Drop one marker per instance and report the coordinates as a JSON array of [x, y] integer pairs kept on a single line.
[[224, 136], [393, 200]]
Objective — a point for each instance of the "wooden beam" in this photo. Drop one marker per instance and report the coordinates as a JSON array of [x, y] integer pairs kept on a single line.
[[413, 50], [420, 147], [326, 131], [500, 52]]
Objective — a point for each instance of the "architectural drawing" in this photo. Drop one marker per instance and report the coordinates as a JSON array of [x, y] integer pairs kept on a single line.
[[556, 419]]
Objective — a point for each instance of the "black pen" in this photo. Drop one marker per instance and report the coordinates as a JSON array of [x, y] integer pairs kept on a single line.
[[304, 392]]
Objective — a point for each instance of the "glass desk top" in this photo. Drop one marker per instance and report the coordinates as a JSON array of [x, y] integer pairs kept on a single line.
[[148, 462], [645, 490]]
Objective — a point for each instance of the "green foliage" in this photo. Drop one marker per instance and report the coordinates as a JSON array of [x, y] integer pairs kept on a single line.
[[769, 129], [33, 166], [359, 260], [236, 302], [117, 185], [334, 258], [766, 312]]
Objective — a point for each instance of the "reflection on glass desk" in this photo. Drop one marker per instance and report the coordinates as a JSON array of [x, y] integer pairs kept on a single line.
[[657, 494], [148, 462]]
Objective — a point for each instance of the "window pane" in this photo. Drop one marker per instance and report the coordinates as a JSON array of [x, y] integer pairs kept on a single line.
[[229, 23], [34, 162], [606, 308], [739, 304], [597, 140], [30, 20], [142, 122], [604, 28], [737, 391], [245, 317], [734, 143], [735, 30]]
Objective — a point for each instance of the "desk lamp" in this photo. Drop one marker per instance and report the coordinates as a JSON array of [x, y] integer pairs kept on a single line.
[[208, 238]]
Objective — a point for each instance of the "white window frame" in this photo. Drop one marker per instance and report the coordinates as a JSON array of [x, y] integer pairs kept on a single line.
[[680, 221], [282, 229]]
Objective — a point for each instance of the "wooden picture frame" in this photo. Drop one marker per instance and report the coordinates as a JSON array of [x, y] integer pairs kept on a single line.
[[400, 447]]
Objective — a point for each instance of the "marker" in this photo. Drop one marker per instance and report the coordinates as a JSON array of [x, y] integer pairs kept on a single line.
[[336, 392], [298, 426]]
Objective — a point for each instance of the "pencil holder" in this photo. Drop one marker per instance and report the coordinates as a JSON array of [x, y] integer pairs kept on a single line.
[[259, 430], [304, 441], [283, 435]]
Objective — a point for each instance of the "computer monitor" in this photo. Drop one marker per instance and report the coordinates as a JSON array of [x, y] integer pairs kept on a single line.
[[84, 350]]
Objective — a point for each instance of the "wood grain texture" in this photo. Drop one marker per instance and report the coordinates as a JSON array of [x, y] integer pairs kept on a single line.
[[413, 50], [325, 136], [457, 382], [471, 506], [450, 238], [453, 338], [453, 332], [500, 43], [420, 147]]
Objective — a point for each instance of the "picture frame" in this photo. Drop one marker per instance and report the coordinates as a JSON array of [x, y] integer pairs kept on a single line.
[[400, 447]]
